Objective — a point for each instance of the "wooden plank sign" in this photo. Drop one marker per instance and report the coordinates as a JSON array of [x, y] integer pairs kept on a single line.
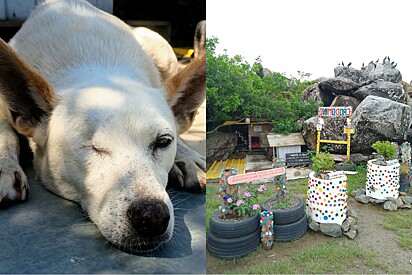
[[297, 159], [253, 176]]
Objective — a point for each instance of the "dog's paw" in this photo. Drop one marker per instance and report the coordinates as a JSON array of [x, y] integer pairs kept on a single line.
[[13, 181], [189, 174]]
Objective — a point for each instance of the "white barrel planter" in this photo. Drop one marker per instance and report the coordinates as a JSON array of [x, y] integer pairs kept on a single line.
[[382, 180], [327, 199]]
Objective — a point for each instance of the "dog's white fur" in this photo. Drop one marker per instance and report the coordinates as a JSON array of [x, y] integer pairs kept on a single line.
[[107, 113]]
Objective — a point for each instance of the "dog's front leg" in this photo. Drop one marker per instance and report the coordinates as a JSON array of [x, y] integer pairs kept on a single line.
[[189, 169], [13, 181]]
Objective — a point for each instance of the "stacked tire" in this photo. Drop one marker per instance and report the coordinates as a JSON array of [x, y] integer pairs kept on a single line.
[[289, 224], [232, 239]]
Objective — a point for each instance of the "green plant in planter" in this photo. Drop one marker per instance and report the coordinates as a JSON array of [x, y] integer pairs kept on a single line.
[[322, 162], [386, 149]]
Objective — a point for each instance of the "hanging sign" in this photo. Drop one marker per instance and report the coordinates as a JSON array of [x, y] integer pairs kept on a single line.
[[253, 176], [335, 111], [349, 130]]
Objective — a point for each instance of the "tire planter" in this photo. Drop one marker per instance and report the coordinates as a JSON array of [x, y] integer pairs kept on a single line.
[[233, 239], [382, 180], [327, 199], [292, 231], [285, 216]]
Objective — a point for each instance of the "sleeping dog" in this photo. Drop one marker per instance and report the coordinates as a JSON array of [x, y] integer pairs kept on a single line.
[[101, 119]]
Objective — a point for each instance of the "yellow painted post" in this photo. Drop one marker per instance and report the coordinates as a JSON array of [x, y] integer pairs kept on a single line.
[[318, 143], [348, 147]]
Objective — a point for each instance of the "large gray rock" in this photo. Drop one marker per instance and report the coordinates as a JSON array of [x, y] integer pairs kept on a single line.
[[309, 132], [370, 72], [338, 85], [343, 100], [386, 89], [331, 229], [220, 145], [378, 118], [314, 93]]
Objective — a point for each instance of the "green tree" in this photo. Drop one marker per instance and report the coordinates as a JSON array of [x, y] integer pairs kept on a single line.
[[236, 89]]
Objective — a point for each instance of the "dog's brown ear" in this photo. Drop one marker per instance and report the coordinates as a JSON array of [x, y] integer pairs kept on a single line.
[[186, 91], [28, 96]]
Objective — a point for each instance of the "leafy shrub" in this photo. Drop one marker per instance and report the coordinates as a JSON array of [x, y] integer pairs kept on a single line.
[[235, 90], [386, 149], [322, 162]]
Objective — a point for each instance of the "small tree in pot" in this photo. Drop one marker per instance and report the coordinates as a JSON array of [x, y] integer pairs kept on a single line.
[[383, 172], [327, 191]]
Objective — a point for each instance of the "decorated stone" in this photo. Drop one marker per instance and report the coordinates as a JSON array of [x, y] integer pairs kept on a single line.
[[327, 199], [227, 191], [382, 181], [281, 186], [267, 235]]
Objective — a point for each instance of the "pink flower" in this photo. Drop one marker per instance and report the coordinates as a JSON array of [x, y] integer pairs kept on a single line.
[[247, 194], [240, 202], [229, 200], [256, 206], [262, 188]]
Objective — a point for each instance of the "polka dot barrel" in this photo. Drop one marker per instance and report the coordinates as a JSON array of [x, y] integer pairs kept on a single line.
[[382, 181], [327, 199]]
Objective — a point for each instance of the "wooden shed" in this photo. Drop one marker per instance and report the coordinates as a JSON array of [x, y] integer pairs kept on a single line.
[[249, 132], [285, 144]]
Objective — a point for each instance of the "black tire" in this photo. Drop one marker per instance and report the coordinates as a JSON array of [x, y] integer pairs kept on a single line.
[[285, 216], [290, 232], [232, 248], [232, 229]]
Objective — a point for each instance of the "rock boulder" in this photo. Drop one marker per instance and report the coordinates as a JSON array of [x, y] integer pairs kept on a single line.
[[378, 118]]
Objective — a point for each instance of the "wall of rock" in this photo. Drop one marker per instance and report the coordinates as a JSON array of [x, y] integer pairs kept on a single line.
[[381, 102]]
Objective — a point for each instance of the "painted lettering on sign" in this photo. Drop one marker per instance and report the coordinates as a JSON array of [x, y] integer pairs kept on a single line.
[[253, 176], [335, 111]]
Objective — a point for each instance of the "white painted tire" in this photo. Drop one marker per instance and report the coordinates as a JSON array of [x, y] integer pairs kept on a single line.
[[382, 180], [327, 199]]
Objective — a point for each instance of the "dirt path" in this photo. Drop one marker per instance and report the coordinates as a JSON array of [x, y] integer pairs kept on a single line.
[[372, 237]]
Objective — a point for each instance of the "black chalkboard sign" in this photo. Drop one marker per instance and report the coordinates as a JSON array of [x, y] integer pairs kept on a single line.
[[297, 159]]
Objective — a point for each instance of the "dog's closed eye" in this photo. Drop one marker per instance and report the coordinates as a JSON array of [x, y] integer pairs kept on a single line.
[[162, 141], [98, 150]]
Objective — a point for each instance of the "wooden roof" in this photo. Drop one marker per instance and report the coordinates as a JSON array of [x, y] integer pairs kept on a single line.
[[278, 140]]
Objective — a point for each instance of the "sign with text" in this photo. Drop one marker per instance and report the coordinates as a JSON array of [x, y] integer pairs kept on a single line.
[[253, 176], [335, 111], [297, 159]]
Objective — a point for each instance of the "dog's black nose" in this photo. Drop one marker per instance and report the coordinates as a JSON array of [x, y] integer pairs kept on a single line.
[[149, 218]]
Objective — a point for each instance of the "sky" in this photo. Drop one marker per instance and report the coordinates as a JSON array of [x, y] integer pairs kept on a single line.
[[313, 36]]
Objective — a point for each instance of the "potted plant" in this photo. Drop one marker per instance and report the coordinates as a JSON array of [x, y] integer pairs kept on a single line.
[[383, 172], [289, 219], [403, 178], [234, 230], [327, 191]]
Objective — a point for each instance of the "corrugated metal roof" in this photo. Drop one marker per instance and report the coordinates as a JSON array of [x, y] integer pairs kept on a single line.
[[218, 166], [277, 140]]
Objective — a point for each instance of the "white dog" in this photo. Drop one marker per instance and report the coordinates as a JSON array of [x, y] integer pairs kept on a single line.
[[102, 124]]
